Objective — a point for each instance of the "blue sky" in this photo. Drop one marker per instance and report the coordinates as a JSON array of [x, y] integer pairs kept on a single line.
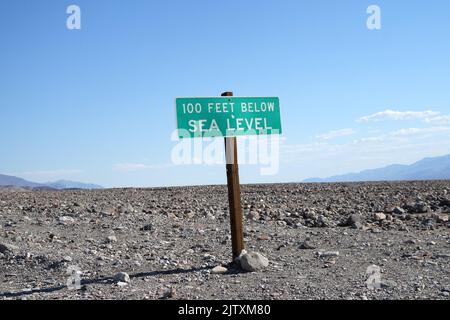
[[97, 104]]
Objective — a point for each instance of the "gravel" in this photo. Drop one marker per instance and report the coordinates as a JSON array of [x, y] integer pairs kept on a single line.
[[169, 241]]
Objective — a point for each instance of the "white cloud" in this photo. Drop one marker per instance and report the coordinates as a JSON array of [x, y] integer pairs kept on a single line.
[[403, 138], [419, 131], [439, 120], [399, 115], [405, 133], [130, 167], [336, 133]]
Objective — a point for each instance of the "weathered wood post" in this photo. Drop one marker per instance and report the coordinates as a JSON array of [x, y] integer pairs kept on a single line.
[[234, 193]]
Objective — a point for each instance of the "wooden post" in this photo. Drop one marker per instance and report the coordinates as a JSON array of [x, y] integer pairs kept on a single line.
[[234, 193]]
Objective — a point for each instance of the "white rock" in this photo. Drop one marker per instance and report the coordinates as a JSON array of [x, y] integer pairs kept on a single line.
[[219, 270], [327, 254], [66, 220], [253, 261], [112, 239]]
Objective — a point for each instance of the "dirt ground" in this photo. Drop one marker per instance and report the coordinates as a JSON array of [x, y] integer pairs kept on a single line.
[[323, 241]]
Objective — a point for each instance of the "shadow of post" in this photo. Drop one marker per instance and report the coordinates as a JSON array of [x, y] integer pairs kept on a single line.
[[100, 280]]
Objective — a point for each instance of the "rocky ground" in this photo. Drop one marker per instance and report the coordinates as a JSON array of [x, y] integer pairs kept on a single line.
[[321, 241]]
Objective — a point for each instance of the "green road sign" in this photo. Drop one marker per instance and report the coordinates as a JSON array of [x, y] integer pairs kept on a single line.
[[227, 117]]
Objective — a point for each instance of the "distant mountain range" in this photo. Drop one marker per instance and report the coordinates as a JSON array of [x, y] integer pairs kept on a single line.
[[437, 168], [11, 181]]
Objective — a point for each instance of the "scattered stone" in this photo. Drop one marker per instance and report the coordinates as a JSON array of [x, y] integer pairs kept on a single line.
[[379, 216], [65, 220], [122, 277], [387, 284], [329, 263], [67, 259], [355, 221], [253, 261], [263, 237], [327, 254], [324, 222], [219, 270], [307, 245], [428, 223], [108, 212], [419, 207], [147, 227], [354, 218], [111, 239], [171, 215], [398, 211]]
